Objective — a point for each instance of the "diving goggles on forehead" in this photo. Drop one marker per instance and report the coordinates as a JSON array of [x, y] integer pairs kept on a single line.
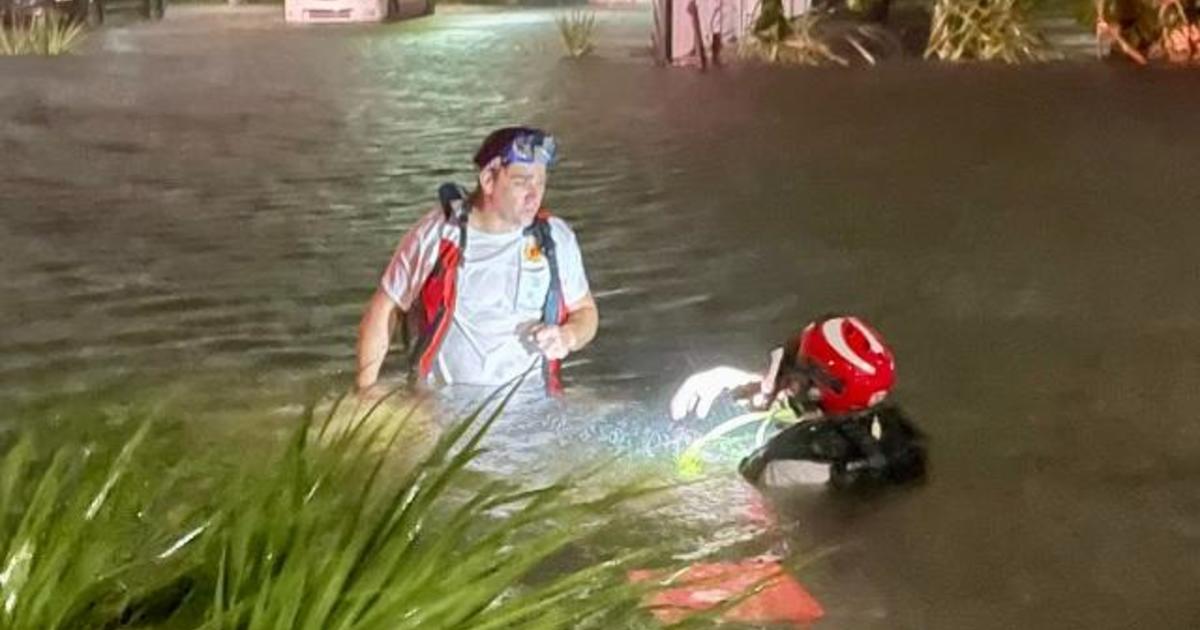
[[530, 148]]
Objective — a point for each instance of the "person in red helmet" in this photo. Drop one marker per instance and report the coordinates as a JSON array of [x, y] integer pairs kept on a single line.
[[835, 375]]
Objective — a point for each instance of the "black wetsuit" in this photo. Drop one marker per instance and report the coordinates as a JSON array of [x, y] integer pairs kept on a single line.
[[850, 446]]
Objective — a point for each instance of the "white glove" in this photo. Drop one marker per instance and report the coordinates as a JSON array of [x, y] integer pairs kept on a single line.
[[699, 391]]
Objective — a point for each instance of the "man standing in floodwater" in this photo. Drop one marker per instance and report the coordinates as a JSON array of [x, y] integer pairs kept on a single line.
[[489, 285]]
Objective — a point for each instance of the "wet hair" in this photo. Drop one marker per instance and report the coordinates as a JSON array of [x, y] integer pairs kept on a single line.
[[497, 142]]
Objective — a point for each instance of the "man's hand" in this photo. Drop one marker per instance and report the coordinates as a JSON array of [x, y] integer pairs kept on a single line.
[[556, 342], [366, 397], [700, 391]]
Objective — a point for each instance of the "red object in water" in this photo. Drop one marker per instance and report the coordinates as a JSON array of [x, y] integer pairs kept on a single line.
[[703, 586]]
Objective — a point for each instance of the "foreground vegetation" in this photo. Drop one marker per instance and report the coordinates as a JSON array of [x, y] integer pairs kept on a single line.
[[331, 531]]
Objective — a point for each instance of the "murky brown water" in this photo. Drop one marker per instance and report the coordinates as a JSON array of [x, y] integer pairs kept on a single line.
[[184, 204]]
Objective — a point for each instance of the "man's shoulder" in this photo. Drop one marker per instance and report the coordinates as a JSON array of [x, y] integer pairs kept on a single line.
[[424, 233], [431, 222], [433, 217], [560, 229]]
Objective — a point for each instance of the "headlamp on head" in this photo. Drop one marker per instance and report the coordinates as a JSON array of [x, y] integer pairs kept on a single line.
[[533, 148], [517, 145]]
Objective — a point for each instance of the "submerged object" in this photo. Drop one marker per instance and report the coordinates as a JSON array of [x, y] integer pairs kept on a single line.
[[771, 595]]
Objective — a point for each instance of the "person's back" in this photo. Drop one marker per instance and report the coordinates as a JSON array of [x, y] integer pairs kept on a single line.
[[875, 447]]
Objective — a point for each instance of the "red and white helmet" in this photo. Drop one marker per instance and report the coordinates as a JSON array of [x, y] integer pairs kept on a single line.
[[848, 363]]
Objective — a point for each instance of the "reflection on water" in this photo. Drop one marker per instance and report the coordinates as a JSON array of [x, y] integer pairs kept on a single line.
[[184, 207]]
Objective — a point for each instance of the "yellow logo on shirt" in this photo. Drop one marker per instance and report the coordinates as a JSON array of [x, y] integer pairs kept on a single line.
[[531, 252]]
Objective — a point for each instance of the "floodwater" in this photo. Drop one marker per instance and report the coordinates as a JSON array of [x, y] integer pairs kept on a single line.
[[210, 202]]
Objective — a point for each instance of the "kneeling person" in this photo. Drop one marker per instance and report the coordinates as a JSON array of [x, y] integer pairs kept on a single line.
[[835, 375]]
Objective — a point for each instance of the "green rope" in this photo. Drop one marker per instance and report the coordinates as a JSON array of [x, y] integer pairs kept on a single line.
[[690, 463]]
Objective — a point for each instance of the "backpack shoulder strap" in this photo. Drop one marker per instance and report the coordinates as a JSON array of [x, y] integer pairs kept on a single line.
[[554, 310], [453, 199], [456, 209], [540, 229]]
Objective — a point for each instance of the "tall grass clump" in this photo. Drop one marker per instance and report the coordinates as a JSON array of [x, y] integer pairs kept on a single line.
[[68, 558], [331, 532], [800, 43], [49, 33], [984, 30], [577, 29], [1146, 30], [336, 539], [777, 39]]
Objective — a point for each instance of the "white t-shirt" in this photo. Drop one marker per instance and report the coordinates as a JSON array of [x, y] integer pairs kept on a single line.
[[501, 288]]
